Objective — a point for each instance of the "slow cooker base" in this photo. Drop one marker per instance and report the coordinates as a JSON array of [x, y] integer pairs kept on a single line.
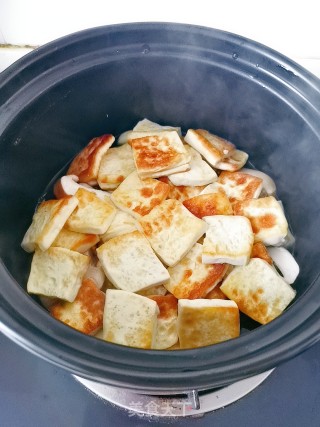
[[188, 404]]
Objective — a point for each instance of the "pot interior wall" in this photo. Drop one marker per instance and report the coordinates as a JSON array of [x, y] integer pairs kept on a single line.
[[112, 98]]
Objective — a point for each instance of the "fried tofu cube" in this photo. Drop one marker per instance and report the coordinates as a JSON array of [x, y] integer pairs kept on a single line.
[[122, 223], [181, 192], [259, 291], [146, 125], [200, 173], [130, 319], [267, 219], [85, 313], [86, 164], [172, 230], [154, 290], [138, 197], [203, 322], [130, 263], [216, 293], [47, 222], [57, 272], [191, 279], [159, 153], [79, 242], [92, 215], [229, 239], [211, 147], [166, 335], [216, 203], [240, 186], [260, 251], [116, 164]]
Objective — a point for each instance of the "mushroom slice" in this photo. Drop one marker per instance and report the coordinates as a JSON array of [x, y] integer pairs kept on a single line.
[[285, 263], [96, 274], [68, 186]]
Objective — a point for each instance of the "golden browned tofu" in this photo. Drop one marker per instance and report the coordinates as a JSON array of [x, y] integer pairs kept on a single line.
[[86, 164], [138, 197], [57, 272], [116, 164], [203, 322], [130, 263], [267, 219], [92, 215], [200, 173], [122, 223], [159, 154], [229, 239], [130, 319], [47, 222], [260, 251], [172, 230], [191, 279], [85, 313], [240, 186], [212, 147], [209, 204], [259, 291], [166, 335], [216, 293], [74, 241], [181, 192]]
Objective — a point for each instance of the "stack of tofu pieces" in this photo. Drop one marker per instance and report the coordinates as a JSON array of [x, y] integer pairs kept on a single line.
[[158, 241]]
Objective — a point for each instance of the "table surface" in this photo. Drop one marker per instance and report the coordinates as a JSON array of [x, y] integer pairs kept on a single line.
[[35, 393]]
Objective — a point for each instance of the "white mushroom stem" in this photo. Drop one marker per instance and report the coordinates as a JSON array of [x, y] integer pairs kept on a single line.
[[123, 138], [285, 262], [96, 274], [269, 185], [68, 186]]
